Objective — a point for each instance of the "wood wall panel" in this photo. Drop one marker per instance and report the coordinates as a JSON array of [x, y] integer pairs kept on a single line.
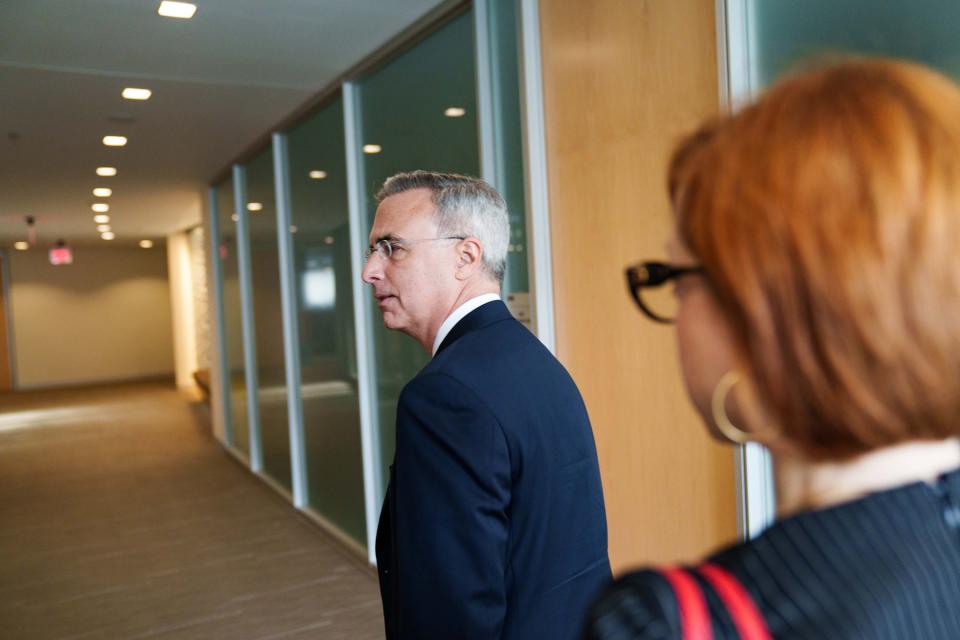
[[623, 79]]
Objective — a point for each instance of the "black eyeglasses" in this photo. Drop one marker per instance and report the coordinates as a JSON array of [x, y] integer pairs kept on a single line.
[[645, 280]]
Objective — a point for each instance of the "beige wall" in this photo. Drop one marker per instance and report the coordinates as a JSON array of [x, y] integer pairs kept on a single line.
[[6, 375], [105, 317], [622, 80], [180, 267]]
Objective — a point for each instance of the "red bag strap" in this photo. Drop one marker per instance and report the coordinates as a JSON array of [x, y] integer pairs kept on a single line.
[[694, 617], [741, 607]]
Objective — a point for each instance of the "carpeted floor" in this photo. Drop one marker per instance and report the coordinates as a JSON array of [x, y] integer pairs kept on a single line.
[[121, 517]]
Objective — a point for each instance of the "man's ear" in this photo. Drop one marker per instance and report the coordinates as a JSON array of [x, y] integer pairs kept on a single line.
[[469, 258]]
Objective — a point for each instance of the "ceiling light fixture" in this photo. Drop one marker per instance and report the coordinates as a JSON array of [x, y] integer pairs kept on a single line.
[[106, 172], [103, 228], [101, 219], [103, 192], [107, 235], [455, 112], [100, 207], [115, 141], [146, 244], [234, 217], [372, 148], [132, 93], [254, 206], [318, 175], [170, 9], [21, 246]]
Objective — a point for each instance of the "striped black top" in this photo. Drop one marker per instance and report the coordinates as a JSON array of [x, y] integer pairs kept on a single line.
[[882, 567]]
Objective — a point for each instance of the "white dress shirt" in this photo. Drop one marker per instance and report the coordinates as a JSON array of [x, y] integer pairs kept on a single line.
[[459, 314]]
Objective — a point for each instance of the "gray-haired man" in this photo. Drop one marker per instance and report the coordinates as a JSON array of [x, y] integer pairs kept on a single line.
[[494, 524]]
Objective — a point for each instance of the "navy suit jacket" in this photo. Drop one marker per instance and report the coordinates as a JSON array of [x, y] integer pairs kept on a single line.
[[493, 525]]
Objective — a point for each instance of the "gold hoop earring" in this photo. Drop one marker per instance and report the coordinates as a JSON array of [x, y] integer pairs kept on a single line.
[[730, 431]]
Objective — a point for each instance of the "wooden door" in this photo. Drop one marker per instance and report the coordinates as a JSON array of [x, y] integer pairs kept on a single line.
[[623, 79]]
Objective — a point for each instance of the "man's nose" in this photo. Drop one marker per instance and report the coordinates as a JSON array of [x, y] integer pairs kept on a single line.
[[371, 270]]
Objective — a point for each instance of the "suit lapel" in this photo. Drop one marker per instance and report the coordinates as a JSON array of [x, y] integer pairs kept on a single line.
[[480, 317]]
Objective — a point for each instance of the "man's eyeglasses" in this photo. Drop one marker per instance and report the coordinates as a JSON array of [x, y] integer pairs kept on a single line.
[[656, 301], [386, 247]]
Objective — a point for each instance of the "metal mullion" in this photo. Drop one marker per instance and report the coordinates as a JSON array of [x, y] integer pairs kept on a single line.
[[486, 105], [291, 332], [535, 168], [366, 385], [756, 493], [247, 315], [219, 317]]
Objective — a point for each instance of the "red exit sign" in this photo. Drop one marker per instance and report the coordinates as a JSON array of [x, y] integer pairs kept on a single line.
[[61, 255]]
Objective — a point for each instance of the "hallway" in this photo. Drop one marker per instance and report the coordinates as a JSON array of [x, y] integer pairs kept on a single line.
[[121, 517]]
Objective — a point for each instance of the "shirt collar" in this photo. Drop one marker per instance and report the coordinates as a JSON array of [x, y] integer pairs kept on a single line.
[[459, 314]]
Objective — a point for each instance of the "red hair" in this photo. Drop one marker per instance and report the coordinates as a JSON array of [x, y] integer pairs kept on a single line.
[[827, 218]]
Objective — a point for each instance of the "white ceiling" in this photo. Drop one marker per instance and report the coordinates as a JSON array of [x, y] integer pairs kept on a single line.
[[219, 81]]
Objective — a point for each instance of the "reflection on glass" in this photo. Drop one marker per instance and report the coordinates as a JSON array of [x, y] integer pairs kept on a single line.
[[403, 127], [268, 318], [331, 415], [236, 404], [787, 33]]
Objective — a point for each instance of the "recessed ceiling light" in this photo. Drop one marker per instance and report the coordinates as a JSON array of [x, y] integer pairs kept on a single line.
[[132, 93], [106, 172], [254, 206], [21, 246], [101, 219], [114, 141], [146, 244], [100, 207], [234, 217], [328, 240], [103, 192], [455, 112], [107, 235], [293, 228], [103, 227], [372, 148], [318, 175], [170, 9]]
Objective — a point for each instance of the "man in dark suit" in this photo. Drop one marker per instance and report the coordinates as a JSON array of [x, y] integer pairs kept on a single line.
[[493, 526]]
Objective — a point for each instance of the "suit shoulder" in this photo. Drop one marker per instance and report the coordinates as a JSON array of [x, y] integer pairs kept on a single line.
[[503, 341]]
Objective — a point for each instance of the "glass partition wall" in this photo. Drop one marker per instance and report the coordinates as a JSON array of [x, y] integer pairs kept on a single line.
[[426, 106], [418, 111], [235, 410], [785, 34], [765, 39], [324, 305], [268, 318]]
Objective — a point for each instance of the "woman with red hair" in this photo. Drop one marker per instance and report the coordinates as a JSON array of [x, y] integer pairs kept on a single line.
[[816, 272]]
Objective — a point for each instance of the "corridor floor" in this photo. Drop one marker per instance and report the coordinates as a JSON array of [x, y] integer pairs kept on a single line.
[[122, 518]]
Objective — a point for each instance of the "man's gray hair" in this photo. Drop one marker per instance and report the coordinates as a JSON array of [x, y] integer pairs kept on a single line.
[[466, 206]]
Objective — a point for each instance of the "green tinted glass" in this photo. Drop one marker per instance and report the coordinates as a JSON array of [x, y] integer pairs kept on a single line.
[[268, 320], [324, 290]]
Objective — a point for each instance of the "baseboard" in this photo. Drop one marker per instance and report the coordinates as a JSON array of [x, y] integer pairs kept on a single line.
[[99, 382]]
